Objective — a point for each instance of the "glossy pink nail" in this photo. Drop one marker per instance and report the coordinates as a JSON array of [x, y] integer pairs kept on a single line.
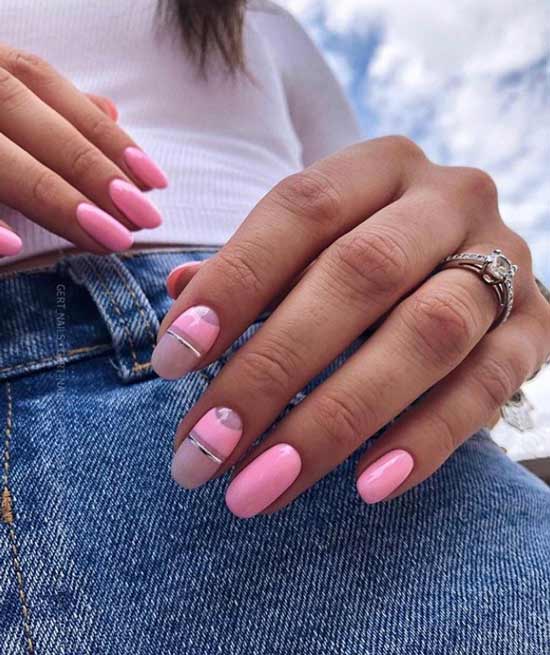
[[174, 276], [134, 204], [206, 447], [185, 342], [383, 477], [145, 168], [10, 243], [103, 228], [263, 480]]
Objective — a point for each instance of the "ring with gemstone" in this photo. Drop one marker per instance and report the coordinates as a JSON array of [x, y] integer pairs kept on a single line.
[[494, 269]]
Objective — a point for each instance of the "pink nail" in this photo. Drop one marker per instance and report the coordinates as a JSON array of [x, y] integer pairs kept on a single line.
[[189, 337], [173, 276], [134, 204], [103, 228], [383, 477], [206, 447], [145, 168], [263, 480], [10, 243]]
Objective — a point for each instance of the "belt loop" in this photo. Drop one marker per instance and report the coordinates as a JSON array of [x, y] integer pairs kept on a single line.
[[129, 317]]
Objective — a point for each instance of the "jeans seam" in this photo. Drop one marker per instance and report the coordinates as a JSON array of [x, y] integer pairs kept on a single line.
[[138, 305], [8, 518], [70, 353], [137, 366]]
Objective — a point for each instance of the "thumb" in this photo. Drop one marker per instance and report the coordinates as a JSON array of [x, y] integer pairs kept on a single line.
[[10, 243]]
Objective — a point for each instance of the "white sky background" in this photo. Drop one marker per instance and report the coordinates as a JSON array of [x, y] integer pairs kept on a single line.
[[469, 80]]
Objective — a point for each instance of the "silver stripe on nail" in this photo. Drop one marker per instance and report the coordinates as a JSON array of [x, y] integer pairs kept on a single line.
[[184, 343], [193, 439]]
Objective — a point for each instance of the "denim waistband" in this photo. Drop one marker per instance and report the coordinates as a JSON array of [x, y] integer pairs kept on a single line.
[[84, 306]]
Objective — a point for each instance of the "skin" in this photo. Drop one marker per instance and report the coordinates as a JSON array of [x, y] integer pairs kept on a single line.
[[352, 240], [58, 148]]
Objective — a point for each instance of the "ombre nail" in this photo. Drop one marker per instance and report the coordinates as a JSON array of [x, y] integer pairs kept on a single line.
[[383, 477], [263, 480], [145, 168], [206, 447], [185, 342], [134, 204], [10, 243], [105, 229]]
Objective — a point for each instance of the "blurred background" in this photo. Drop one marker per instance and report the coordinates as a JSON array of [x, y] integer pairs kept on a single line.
[[469, 80]]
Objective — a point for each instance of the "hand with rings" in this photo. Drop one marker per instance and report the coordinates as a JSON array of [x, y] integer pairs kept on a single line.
[[375, 236]]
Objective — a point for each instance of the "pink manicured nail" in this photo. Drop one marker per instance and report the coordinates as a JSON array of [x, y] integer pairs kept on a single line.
[[189, 337], [383, 477], [10, 243], [173, 276], [206, 447], [263, 480], [145, 168], [103, 228], [134, 204]]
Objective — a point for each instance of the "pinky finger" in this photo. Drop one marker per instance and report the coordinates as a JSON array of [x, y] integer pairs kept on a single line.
[[424, 437], [10, 243]]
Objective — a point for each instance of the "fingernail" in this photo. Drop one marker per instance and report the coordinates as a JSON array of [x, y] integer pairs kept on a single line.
[[103, 228], [189, 337], [206, 447], [134, 204], [173, 276], [383, 477], [10, 243], [145, 168], [263, 480]]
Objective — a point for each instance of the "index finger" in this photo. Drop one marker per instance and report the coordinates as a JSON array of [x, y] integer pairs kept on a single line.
[[296, 221], [68, 101]]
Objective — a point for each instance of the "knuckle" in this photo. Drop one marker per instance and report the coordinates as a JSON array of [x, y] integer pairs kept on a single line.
[[268, 371], [310, 194], [442, 324], [403, 147], [476, 183], [44, 188], [83, 159], [500, 378], [444, 427], [11, 92], [237, 267], [28, 67], [373, 263], [341, 419], [101, 129]]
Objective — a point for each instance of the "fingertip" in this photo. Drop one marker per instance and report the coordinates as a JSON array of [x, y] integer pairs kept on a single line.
[[10, 242], [180, 276]]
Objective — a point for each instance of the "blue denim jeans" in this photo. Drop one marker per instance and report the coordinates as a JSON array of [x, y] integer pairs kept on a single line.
[[101, 553]]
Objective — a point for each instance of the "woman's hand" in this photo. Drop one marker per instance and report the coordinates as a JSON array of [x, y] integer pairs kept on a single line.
[[65, 163], [365, 229]]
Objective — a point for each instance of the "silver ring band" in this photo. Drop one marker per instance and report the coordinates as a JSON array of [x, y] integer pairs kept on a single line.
[[494, 269]]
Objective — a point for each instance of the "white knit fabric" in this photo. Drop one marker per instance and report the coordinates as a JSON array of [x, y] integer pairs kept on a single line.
[[223, 142]]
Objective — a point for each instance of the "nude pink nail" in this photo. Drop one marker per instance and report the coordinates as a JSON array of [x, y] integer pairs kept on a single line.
[[206, 447], [105, 229], [185, 342], [134, 204], [10, 243], [173, 276], [145, 168], [263, 480], [383, 477]]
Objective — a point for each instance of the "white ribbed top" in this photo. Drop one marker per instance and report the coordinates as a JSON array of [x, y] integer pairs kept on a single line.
[[223, 142]]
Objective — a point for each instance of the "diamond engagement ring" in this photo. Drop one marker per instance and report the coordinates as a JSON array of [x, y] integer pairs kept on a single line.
[[496, 270]]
